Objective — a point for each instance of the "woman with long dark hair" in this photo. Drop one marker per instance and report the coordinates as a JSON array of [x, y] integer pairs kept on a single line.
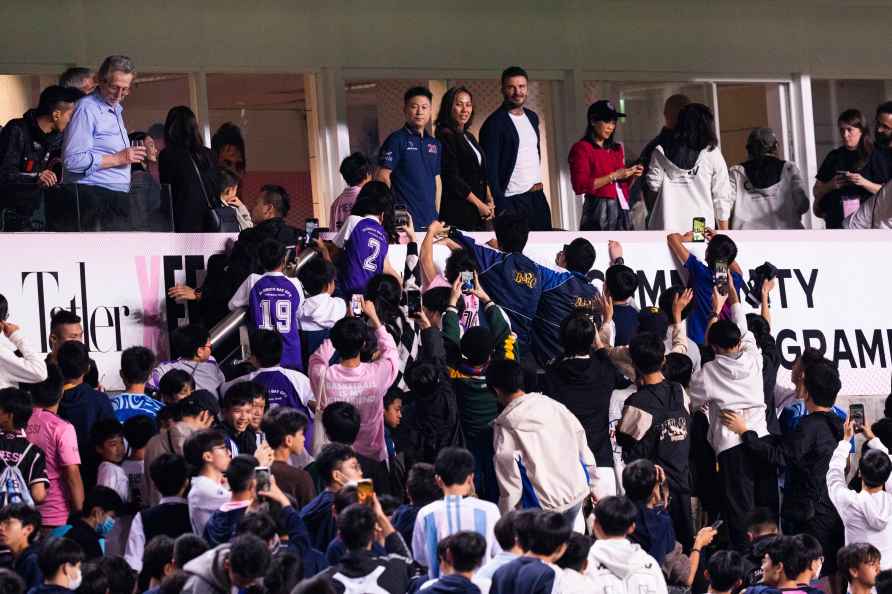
[[768, 192], [835, 196], [688, 176], [466, 203], [188, 167], [598, 170]]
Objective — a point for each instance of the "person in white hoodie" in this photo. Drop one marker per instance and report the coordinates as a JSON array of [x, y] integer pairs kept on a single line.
[[615, 565], [319, 312], [866, 514], [733, 382], [688, 175], [30, 367], [542, 457]]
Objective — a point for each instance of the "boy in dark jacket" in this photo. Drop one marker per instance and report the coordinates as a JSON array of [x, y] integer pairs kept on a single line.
[[19, 528], [60, 562], [460, 557], [535, 572], [81, 405], [655, 425]]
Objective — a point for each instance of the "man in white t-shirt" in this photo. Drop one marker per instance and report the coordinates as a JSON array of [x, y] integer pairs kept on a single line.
[[510, 140]]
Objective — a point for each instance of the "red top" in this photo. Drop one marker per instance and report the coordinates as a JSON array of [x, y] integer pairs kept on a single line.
[[588, 162]]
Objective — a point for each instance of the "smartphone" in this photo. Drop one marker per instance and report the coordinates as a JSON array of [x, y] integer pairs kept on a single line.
[[467, 282], [720, 277], [356, 305], [717, 524], [310, 225], [856, 414], [290, 254], [261, 474], [698, 229], [413, 302], [365, 490], [400, 217]]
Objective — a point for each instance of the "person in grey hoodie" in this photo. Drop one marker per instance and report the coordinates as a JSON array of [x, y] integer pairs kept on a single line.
[[239, 564], [865, 514]]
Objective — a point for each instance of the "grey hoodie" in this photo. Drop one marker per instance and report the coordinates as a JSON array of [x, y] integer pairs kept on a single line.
[[207, 574], [619, 567]]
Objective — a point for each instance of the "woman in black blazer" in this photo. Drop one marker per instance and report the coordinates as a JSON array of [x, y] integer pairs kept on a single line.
[[465, 203], [188, 167]]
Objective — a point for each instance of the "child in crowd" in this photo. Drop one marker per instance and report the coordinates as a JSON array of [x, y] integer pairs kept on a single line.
[[724, 572], [175, 385], [273, 301], [341, 422], [238, 409], [321, 310], [536, 571], [16, 451], [620, 284], [574, 563], [337, 466], [208, 455], [138, 430], [357, 172], [242, 479], [90, 527], [19, 530], [60, 562], [107, 438], [136, 366], [507, 535], [459, 555], [191, 347], [421, 489], [285, 430], [81, 404]]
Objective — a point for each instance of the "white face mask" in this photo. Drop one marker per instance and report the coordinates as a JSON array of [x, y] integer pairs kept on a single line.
[[75, 582]]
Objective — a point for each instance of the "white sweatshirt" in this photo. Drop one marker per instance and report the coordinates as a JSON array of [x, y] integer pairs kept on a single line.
[[30, 368], [866, 516], [779, 206], [874, 213], [616, 566], [320, 312]]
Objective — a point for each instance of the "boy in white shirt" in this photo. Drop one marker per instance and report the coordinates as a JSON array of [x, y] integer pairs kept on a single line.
[[107, 437], [208, 451], [319, 312]]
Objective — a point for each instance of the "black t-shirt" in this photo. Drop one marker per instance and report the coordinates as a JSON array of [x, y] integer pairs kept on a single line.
[[840, 159], [32, 465], [879, 166]]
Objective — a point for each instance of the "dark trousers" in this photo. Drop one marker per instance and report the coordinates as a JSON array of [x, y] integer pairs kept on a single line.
[[485, 482], [533, 205], [102, 209], [603, 214], [747, 482], [682, 520]]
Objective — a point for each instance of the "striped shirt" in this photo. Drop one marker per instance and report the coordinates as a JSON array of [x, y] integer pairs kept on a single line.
[[447, 516]]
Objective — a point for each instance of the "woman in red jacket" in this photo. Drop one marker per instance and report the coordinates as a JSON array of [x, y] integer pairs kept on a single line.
[[598, 170]]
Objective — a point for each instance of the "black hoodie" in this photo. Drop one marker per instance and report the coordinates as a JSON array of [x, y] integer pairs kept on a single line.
[[584, 386]]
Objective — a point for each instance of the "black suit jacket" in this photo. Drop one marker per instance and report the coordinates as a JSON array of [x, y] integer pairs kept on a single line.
[[462, 174]]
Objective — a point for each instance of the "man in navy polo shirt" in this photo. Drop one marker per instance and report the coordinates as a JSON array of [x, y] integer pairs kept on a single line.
[[410, 160]]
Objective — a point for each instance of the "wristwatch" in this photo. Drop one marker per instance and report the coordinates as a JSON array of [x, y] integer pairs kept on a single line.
[[619, 261]]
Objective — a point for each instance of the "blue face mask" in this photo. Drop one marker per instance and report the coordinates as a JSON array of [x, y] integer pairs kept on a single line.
[[105, 527]]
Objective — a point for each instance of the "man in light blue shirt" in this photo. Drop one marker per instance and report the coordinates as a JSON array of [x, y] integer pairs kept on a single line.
[[97, 153]]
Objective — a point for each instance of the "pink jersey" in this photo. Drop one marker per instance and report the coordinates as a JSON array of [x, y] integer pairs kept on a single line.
[[58, 440]]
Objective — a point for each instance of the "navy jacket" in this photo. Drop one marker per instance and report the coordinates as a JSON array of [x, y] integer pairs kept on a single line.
[[452, 584], [82, 406], [27, 568], [222, 524], [500, 142], [403, 521], [319, 521], [523, 575], [49, 589], [555, 306]]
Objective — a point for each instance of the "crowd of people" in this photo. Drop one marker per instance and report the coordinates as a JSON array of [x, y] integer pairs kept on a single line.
[[493, 425], [70, 164]]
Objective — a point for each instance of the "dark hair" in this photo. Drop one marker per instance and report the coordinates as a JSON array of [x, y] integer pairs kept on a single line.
[[386, 293], [186, 340], [4, 308], [720, 248], [454, 465], [804, 549], [241, 394], [348, 336], [266, 347], [284, 573], [437, 299], [678, 368], [580, 255], [761, 329], [373, 199], [639, 479], [63, 317], [56, 97], [695, 129], [187, 547], [105, 429], [17, 403], [173, 382], [345, 498], [248, 556], [10, 582], [459, 260], [621, 282], [228, 134], [424, 377], [73, 359], [761, 519], [157, 554], [355, 168], [260, 524], [57, 552], [666, 300], [523, 527], [169, 474], [466, 550], [181, 131], [138, 430], [27, 515], [884, 582], [174, 583], [505, 375], [240, 472], [412, 92], [875, 468], [725, 570], [49, 391], [356, 524], [512, 71], [280, 423], [103, 498], [74, 77], [550, 531], [95, 578], [392, 395], [444, 116], [227, 178], [822, 383], [884, 108], [504, 531], [575, 556], [723, 334], [342, 422], [616, 515], [198, 444], [277, 197], [855, 119], [196, 403], [577, 335], [589, 134], [136, 365], [316, 274], [476, 345], [421, 484], [271, 254], [512, 231], [332, 456], [851, 556], [647, 351]]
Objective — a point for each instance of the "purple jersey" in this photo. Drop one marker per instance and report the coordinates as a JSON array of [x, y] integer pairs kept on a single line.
[[273, 303], [365, 249]]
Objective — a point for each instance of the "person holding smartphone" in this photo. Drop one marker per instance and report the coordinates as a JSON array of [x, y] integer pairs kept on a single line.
[[835, 196]]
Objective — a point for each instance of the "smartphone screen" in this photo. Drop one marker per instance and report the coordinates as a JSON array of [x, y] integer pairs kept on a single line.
[[856, 414], [261, 473], [356, 305], [365, 490], [413, 302], [698, 229], [311, 225], [467, 282], [721, 277]]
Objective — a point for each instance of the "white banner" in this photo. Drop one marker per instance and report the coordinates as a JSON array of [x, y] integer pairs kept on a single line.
[[829, 295]]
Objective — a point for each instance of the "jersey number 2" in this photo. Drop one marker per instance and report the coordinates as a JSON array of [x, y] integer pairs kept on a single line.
[[370, 263]]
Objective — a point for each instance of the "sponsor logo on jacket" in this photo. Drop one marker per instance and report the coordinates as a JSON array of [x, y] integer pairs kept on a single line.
[[525, 278]]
